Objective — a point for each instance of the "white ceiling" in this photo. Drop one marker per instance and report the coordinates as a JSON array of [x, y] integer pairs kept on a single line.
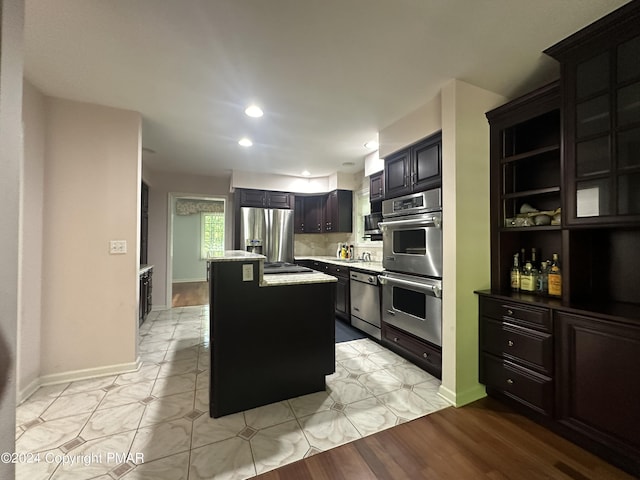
[[329, 74]]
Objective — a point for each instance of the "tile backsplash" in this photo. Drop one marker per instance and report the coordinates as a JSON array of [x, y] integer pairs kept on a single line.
[[314, 244]]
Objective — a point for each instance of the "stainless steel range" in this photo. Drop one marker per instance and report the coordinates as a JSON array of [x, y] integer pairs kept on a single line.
[[412, 248]]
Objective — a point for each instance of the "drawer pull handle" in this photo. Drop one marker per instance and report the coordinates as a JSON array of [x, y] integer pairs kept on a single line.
[[395, 339], [510, 343], [509, 381], [510, 312], [426, 355]]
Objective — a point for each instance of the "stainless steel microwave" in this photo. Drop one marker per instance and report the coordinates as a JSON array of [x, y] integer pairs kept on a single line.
[[371, 223]]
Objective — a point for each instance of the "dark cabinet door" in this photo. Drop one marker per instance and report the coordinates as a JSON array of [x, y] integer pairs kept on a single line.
[[298, 215], [313, 213], [253, 198], [331, 212], [599, 365], [342, 298], [426, 160], [338, 211], [144, 223], [397, 174], [376, 186], [279, 199]]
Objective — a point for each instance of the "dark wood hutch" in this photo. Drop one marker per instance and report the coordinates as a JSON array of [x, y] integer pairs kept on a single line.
[[573, 362]]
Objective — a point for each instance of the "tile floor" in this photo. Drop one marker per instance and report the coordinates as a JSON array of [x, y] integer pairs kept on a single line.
[[154, 423]]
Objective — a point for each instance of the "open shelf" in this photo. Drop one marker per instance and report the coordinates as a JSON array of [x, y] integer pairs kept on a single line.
[[531, 154]]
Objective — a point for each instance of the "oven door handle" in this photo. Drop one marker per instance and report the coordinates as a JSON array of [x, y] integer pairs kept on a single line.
[[435, 289], [427, 222]]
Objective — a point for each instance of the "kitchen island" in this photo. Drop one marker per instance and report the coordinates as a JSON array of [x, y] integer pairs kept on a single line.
[[272, 336]]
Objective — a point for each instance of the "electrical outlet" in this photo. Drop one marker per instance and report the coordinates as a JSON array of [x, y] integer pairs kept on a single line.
[[117, 247]]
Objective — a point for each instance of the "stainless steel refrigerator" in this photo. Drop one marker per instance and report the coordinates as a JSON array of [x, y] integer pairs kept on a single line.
[[268, 231]]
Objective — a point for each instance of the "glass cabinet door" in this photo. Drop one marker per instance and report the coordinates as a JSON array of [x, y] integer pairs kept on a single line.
[[605, 152]]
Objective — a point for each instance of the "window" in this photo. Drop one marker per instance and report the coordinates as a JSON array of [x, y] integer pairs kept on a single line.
[[361, 208], [212, 234]]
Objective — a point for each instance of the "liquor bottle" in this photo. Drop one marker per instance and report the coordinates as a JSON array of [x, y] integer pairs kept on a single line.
[[528, 279], [543, 279], [534, 261], [555, 277], [515, 274]]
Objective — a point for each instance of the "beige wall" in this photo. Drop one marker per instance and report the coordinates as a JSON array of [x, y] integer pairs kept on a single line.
[[11, 28], [91, 196], [31, 241], [161, 184], [465, 174], [414, 126]]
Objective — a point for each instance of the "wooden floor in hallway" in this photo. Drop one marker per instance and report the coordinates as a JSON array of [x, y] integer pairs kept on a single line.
[[483, 440], [189, 294]]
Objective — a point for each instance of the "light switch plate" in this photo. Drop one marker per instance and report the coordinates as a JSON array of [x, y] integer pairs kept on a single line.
[[247, 272], [117, 247]]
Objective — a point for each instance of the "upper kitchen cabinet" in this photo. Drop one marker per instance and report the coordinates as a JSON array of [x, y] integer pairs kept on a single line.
[[414, 169], [326, 213], [338, 211], [264, 199], [376, 186], [601, 98]]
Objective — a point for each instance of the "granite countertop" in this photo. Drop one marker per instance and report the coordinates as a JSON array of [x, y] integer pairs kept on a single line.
[[235, 256], [144, 269], [359, 264], [276, 279], [296, 279]]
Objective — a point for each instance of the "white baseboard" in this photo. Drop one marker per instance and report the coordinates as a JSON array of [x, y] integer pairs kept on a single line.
[[75, 375], [462, 398], [189, 280]]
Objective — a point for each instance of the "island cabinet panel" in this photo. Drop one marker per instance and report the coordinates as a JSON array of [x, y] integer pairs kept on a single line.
[[269, 343], [600, 377]]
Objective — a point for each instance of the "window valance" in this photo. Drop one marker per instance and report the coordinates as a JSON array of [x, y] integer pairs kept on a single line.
[[187, 206]]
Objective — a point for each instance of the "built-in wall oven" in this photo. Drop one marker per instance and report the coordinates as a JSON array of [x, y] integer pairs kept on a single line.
[[412, 259], [412, 234], [413, 304]]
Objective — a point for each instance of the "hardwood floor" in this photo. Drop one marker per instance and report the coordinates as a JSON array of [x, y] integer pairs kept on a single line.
[[188, 294], [483, 440]]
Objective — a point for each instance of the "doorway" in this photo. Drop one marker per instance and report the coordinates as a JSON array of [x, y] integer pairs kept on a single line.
[[197, 226]]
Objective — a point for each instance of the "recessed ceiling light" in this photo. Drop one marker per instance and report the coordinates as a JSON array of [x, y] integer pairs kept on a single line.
[[305, 173], [372, 144], [245, 142], [254, 111]]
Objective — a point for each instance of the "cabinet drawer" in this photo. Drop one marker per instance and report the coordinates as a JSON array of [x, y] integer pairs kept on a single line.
[[521, 384], [518, 312], [421, 353], [337, 270], [533, 348]]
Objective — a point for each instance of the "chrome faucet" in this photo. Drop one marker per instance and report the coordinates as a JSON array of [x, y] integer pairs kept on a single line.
[[366, 256]]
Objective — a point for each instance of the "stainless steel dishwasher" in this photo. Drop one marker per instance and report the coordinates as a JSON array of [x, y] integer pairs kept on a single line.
[[365, 303]]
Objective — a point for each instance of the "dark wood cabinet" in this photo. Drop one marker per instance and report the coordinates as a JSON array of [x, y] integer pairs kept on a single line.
[[343, 292], [601, 98], [572, 362], [265, 199], [516, 352], [423, 354], [338, 211], [146, 295], [599, 362], [414, 169], [144, 223], [525, 163], [326, 213], [376, 186]]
